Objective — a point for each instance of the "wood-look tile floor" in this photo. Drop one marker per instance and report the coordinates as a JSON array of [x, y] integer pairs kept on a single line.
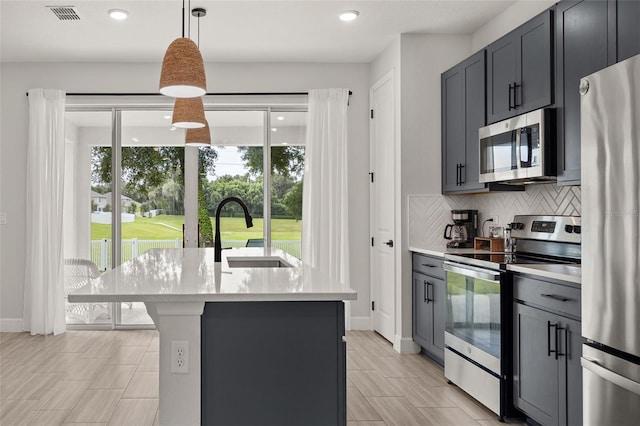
[[111, 378]]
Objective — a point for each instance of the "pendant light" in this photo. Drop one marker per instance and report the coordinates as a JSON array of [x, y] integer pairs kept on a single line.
[[198, 137], [182, 74], [188, 113]]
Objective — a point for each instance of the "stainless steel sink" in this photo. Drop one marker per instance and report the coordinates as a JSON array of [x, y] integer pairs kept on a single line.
[[257, 262]]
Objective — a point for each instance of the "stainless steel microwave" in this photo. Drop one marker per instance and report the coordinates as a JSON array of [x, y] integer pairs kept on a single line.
[[520, 149]]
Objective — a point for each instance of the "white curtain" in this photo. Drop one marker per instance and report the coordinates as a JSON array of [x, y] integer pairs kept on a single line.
[[44, 304], [325, 197]]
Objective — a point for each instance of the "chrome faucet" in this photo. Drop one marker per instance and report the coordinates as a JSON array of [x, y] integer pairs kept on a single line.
[[247, 217]]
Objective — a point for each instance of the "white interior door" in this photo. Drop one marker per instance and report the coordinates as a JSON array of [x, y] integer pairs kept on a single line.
[[382, 257]]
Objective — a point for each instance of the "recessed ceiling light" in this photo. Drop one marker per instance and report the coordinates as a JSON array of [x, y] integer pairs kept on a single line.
[[173, 128], [349, 15], [118, 14], [167, 117], [135, 139], [280, 117], [273, 129], [284, 143]]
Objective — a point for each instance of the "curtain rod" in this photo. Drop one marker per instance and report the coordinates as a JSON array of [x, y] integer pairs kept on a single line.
[[206, 94]]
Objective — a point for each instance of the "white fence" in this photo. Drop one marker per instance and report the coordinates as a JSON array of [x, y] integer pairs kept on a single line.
[[101, 249]]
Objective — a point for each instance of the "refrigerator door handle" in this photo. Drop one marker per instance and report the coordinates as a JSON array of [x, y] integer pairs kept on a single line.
[[610, 376]]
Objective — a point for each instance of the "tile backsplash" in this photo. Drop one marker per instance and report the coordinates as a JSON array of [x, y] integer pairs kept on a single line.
[[428, 214]]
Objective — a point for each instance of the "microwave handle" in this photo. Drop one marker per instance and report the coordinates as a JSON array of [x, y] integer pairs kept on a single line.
[[525, 147]]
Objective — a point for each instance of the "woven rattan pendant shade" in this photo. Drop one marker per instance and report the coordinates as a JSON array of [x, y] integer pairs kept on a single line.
[[188, 113], [182, 74], [199, 137]]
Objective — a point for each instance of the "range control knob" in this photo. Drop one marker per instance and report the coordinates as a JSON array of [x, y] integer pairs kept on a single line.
[[517, 226], [569, 228], [577, 229]]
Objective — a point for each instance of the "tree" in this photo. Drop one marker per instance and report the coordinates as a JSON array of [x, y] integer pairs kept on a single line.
[[285, 160], [204, 221], [293, 201], [144, 168]]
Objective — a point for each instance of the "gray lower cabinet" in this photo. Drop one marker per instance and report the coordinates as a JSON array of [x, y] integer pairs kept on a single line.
[[429, 305], [273, 363], [547, 348]]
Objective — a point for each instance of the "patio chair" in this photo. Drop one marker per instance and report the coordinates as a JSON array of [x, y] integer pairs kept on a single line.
[[78, 273], [255, 242]]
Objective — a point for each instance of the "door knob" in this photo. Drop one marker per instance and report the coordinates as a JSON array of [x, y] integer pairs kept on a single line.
[[389, 243]]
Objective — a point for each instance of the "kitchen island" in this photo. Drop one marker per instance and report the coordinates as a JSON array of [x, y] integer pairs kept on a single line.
[[254, 339]]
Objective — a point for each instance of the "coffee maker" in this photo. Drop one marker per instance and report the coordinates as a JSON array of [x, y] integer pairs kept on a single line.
[[463, 230]]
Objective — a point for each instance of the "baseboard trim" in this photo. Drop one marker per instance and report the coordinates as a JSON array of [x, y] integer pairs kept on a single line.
[[11, 325], [405, 345], [360, 323]]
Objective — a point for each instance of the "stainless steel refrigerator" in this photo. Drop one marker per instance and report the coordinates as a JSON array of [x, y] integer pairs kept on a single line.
[[610, 127]]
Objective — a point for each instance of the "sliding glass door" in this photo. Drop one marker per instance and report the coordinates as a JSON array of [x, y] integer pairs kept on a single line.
[[145, 208], [287, 142]]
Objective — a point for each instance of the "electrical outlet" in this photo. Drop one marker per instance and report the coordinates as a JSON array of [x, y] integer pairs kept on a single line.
[[496, 220], [180, 356]]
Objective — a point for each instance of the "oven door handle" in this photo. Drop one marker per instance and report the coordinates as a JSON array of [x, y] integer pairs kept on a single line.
[[470, 271]]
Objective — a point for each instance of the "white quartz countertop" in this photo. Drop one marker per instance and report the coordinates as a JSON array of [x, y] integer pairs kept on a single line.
[[191, 275], [570, 273]]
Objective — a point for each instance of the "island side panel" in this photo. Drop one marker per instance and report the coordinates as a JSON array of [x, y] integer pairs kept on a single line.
[[273, 363], [179, 394]]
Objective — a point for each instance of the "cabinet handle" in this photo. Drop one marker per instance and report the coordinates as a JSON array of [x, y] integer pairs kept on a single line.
[[554, 297], [426, 265], [510, 105], [424, 291], [458, 174], [515, 93], [462, 180], [549, 350], [429, 285], [558, 329]]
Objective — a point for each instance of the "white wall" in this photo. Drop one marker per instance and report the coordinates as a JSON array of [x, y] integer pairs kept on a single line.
[[508, 20], [16, 79], [423, 59], [417, 62]]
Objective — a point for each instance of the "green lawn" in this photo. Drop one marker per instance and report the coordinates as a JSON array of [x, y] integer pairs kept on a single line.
[[167, 227]]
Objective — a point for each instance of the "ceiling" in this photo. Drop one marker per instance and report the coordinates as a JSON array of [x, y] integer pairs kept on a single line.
[[232, 31]]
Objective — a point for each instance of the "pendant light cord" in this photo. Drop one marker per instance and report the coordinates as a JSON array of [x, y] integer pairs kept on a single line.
[[189, 19], [182, 18]]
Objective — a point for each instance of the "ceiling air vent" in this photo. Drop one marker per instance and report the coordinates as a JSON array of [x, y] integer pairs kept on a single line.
[[65, 13]]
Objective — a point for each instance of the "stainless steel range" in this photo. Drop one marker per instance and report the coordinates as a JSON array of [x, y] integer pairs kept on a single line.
[[478, 331]]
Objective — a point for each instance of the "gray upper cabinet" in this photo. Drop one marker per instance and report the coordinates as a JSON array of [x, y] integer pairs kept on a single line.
[[463, 107], [520, 69], [628, 28], [582, 48], [591, 35]]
